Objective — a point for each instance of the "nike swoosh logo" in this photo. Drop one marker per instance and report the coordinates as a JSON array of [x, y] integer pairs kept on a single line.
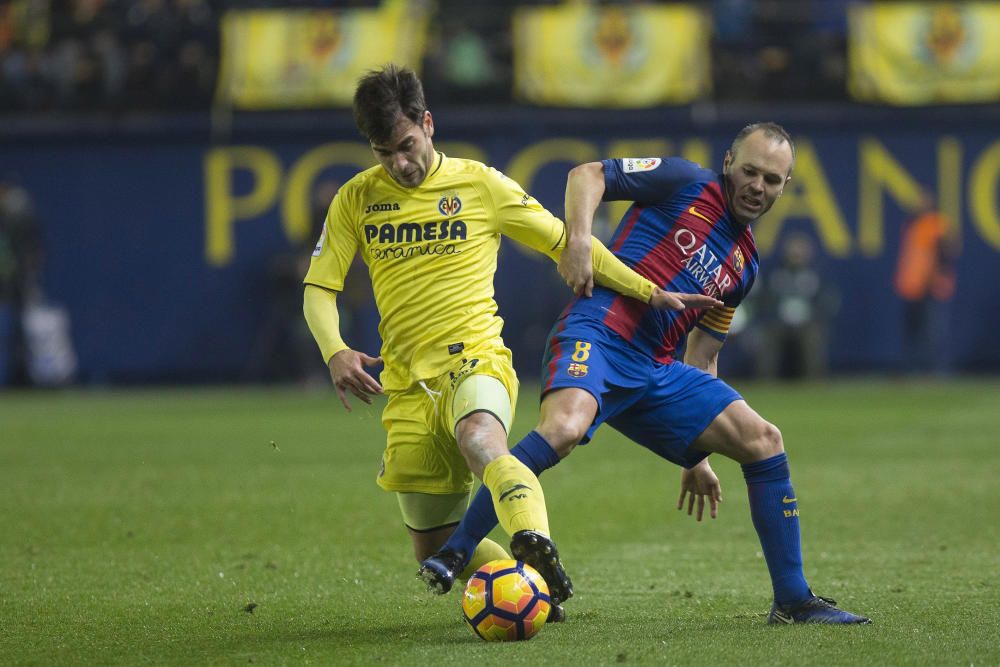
[[787, 500], [693, 211], [513, 489]]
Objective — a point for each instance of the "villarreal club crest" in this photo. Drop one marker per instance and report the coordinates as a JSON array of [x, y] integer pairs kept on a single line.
[[450, 205]]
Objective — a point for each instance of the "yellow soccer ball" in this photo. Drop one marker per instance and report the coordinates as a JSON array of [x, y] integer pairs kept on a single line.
[[506, 600]]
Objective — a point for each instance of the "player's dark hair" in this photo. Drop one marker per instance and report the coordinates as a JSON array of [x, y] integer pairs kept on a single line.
[[772, 131], [381, 96]]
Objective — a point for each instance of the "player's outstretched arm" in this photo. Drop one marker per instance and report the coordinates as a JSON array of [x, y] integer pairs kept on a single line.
[[698, 483], [664, 300], [611, 272], [583, 259]]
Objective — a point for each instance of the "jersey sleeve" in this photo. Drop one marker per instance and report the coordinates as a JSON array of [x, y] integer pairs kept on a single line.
[[649, 180], [526, 221], [320, 309], [520, 216], [336, 246]]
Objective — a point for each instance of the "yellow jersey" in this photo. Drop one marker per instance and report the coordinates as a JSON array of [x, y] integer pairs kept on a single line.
[[431, 252]]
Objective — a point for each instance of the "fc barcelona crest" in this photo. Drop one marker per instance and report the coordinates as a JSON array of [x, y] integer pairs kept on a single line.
[[450, 205], [577, 370], [738, 261]]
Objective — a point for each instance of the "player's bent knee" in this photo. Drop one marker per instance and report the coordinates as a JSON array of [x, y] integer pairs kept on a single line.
[[563, 432], [768, 443], [566, 416], [481, 438]]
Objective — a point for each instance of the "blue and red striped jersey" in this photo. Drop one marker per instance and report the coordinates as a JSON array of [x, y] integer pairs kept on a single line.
[[679, 234]]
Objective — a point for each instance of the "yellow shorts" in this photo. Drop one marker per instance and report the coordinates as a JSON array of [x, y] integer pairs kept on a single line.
[[424, 512], [421, 454]]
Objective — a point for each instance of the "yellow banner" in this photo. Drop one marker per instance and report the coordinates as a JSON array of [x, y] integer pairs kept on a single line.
[[911, 53], [635, 55], [292, 58]]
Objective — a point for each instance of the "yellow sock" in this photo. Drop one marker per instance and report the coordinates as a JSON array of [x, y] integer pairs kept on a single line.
[[517, 495], [486, 551]]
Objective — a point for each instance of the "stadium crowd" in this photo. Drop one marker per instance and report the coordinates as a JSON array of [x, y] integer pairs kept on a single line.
[[84, 55], [117, 55]]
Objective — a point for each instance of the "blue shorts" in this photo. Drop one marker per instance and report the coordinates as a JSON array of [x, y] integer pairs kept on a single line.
[[663, 407]]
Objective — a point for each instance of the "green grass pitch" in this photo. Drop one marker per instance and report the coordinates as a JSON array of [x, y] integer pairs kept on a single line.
[[228, 526]]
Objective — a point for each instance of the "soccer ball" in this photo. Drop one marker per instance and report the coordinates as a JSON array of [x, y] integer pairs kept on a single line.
[[506, 600]]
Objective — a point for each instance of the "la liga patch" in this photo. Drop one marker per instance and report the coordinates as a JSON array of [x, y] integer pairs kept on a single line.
[[631, 165], [319, 244]]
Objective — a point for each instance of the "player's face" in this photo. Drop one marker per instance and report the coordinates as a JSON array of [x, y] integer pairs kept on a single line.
[[409, 153], [756, 175]]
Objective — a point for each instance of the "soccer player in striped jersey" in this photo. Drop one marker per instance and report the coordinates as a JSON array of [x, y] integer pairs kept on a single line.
[[428, 226], [611, 360]]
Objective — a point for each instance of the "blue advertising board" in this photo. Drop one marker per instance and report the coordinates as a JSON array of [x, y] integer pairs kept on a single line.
[[162, 244]]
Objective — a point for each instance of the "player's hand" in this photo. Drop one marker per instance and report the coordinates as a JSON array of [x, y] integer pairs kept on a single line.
[[663, 300], [348, 375], [698, 483], [577, 268]]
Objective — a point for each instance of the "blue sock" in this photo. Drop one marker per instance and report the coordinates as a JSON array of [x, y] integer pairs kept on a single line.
[[480, 518], [775, 515]]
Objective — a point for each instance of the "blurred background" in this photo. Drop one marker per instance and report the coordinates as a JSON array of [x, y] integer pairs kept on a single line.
[[165, 166]]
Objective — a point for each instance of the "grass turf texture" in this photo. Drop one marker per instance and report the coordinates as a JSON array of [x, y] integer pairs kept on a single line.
[[165, 527]]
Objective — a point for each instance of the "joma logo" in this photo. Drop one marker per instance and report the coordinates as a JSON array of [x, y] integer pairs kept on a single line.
[[378, 208]]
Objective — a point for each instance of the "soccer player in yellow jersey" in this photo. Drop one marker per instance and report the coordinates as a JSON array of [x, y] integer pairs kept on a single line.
[[428, 226]]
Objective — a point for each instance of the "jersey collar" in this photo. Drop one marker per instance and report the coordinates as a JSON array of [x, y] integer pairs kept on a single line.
[[437, 167]]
